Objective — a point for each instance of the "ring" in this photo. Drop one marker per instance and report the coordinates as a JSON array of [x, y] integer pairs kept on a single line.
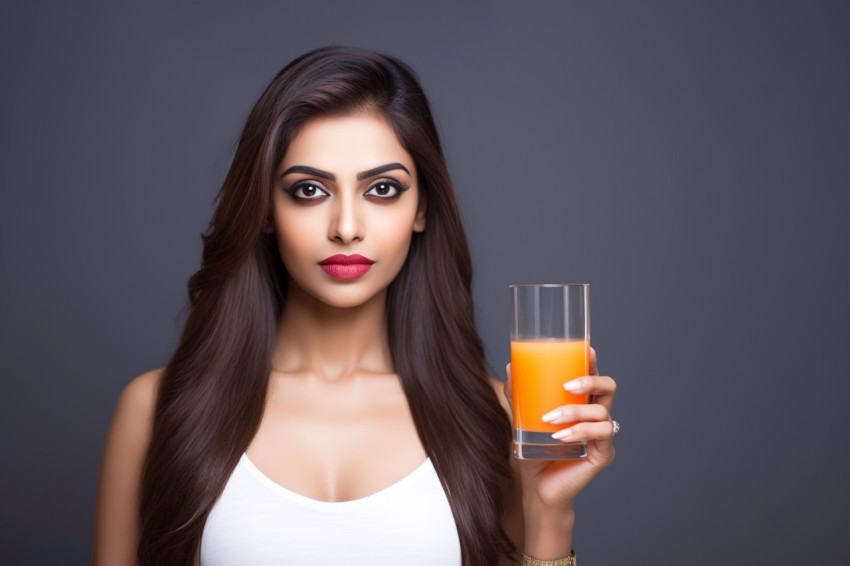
[[616, 426]]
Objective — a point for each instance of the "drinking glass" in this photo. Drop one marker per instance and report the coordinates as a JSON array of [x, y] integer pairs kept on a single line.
[[550, 345]]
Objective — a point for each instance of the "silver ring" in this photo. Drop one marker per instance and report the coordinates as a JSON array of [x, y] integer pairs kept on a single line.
[[616, 426]]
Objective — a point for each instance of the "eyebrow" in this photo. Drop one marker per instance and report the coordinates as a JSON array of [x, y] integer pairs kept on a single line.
[[309, 171], [331, 177], [381, 169]]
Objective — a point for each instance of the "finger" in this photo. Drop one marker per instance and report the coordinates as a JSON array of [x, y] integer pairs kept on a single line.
[[594, 369], [601, 387], [576, 413], [602, 431], [508, 386], [592, 385], [601, 451]]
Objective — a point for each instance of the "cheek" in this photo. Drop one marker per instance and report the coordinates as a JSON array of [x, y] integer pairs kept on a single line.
[[293, 234], [395, 233]]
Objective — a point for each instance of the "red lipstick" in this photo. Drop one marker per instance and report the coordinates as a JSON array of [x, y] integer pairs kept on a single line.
[[346, 267]]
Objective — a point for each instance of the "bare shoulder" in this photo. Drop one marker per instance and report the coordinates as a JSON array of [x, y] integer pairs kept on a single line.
[[132, 421], [139, 396], [132, 424], [119, 481]]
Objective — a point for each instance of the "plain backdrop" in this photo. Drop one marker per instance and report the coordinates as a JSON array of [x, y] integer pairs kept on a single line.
[[687, 159]]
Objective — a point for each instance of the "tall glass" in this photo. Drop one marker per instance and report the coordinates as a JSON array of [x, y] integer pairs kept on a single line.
[[550, 345]]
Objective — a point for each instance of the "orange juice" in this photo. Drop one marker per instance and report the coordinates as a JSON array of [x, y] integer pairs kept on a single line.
[[539, 369]]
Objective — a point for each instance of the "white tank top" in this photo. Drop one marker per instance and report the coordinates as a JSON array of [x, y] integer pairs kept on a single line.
[[257, 522]]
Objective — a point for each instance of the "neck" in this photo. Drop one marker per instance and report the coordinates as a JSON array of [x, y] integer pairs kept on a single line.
[[331, 343]]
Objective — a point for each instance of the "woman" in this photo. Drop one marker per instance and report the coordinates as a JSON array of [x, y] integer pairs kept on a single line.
[[328, 400]]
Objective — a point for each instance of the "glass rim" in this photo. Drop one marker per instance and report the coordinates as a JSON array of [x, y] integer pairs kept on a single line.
[[550, 285]]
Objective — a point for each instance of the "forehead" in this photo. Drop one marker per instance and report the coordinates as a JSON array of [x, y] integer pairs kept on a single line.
[[349, 143]]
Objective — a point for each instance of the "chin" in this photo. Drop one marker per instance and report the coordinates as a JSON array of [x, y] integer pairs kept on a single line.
[[347, 295]]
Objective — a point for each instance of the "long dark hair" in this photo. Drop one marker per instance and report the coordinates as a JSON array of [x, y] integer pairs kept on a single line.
[[212, 393]]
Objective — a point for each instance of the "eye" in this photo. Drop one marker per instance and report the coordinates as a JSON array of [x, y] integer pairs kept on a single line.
[[385, 189], [306, 190]]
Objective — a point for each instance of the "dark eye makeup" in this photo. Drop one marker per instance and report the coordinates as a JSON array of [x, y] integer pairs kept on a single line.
[[381, 190], [385, 189], [306, 191]]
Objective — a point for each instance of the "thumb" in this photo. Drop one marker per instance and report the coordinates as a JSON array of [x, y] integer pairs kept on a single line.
[[508, 386]]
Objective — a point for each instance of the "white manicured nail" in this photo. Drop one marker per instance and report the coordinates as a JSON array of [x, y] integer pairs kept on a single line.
[[551, 415], [561, 434], [573, 385]]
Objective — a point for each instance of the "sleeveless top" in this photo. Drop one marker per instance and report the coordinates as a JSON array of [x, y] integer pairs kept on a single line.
[[257, 522]]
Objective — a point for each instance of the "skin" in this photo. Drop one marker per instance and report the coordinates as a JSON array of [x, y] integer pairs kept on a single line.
[[116, 527], [332, 372], [332, 369]]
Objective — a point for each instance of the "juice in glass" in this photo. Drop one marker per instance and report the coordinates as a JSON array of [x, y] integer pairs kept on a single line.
[[550, 345], [539, 369]]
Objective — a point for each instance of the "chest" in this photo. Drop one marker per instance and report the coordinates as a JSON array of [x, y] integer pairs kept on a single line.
[[336, 442]]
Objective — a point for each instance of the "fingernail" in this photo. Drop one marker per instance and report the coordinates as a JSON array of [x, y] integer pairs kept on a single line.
[[573, 385], [551, 415], [561, 434]]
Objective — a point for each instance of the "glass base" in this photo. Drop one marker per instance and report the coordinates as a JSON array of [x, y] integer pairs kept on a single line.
[[541, 446]]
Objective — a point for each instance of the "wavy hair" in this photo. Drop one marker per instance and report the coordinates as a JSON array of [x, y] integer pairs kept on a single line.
[[212, 393]]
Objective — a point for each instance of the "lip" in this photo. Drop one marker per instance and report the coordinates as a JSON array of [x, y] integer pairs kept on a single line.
[[342, 259], [346, 267]]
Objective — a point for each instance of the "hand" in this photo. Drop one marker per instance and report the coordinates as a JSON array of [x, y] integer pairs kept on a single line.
[[552, 486]]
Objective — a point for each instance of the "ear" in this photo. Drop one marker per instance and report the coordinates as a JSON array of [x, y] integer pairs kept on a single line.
[[419, 221]]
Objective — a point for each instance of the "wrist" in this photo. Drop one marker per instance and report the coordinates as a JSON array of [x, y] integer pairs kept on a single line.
[[548, 532]]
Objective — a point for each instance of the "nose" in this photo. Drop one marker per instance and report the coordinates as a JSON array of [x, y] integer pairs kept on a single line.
[[346, 225]]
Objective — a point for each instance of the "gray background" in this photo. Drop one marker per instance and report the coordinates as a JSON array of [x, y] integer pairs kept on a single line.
[[689, 160]]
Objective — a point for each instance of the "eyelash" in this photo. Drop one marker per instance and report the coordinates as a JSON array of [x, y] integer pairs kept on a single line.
[[302, 185], [399, 189]]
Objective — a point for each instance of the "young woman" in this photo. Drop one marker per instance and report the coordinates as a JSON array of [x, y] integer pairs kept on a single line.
[[328, 401]]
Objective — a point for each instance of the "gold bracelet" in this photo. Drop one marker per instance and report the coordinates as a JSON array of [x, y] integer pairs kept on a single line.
[[566, 561]]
